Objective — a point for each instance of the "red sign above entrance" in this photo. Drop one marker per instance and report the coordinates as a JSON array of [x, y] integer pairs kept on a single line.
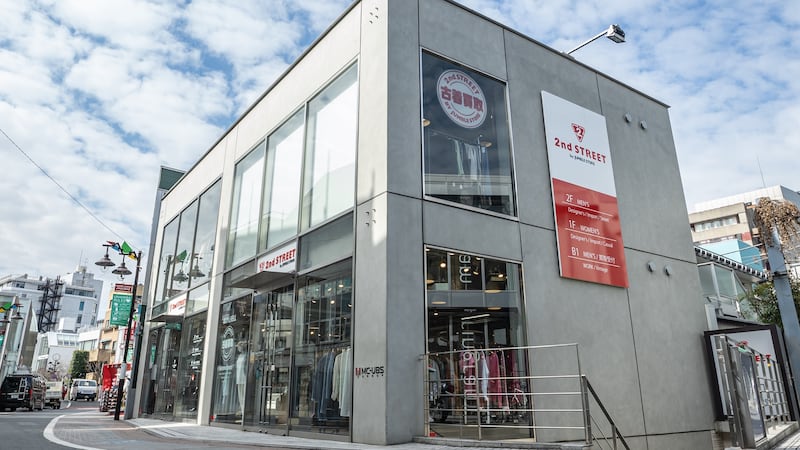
[[588, 229]]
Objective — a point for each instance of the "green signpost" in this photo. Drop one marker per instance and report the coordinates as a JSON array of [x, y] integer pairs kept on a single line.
[[120, 309]]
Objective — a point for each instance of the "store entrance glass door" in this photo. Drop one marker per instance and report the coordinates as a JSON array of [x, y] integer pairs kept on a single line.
[[167, 370], [270, 353]]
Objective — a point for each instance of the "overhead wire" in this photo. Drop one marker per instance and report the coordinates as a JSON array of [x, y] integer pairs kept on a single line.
[[63, 189]]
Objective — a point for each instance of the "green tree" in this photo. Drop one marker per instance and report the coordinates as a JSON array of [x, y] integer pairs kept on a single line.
[[79, 364], [764, 301]]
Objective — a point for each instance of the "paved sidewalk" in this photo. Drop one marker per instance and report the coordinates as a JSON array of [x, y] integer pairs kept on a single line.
[[790, 443], [187, 431], [93, 430]]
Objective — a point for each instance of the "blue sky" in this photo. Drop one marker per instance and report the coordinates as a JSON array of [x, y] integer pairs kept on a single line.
[[101, 94]]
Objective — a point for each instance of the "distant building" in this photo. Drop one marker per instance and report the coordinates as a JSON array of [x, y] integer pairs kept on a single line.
[[55, 349], [64, 303], [725, 226]]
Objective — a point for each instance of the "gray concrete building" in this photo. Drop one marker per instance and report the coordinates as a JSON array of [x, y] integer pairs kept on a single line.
[[413, 231]]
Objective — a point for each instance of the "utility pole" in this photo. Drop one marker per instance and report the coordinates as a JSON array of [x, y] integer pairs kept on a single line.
[[778, 224]]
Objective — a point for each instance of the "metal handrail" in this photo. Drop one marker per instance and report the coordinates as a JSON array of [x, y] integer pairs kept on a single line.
[[478, 409], [615, 433]]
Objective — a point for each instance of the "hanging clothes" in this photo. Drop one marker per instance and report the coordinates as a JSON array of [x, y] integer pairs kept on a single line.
[[322, 385], [346, 383]]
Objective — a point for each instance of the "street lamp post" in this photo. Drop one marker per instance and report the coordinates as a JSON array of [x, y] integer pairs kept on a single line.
[[122, 270], [614, 32]]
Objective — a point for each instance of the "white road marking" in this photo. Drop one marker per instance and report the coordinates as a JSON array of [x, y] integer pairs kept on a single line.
[[50, 435]]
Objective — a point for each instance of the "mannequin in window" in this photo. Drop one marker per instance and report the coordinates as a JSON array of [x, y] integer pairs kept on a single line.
[[241, 373]]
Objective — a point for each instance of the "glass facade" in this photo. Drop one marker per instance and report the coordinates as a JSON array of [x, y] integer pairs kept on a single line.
[[330, 159], [475, 328], [466, 141], [164, 371], [190, 362], [282, 186], [180, 278], [187, 251], [164, 289], [245, 211], [322, 370], [270, 354], [230, 375], [200, 266]]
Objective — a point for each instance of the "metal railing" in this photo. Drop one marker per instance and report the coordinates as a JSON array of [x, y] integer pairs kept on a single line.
[[536, 393], [753, 394]]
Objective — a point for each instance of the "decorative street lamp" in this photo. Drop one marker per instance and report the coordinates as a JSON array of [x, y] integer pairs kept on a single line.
[[122, 271]]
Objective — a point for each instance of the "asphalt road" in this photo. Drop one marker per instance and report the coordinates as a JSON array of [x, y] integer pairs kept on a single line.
[[81, 425], [24, 429]]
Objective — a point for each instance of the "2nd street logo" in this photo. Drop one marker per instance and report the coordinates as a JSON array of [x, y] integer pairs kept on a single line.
[[369, 372], [579, 131]]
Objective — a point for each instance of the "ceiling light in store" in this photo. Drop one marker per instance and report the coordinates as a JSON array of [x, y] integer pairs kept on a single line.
[[494, 308], [438, 302], [425, 122], [442, 264], [478, 316]]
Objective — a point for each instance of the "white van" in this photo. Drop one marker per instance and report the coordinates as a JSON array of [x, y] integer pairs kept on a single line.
[[82, 388]]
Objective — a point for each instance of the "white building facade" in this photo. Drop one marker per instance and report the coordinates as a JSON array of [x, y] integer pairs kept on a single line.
[[725, 226], [74, 296], [425, 181]]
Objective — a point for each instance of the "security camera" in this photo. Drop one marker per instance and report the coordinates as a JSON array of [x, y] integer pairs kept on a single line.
[[615, 33]]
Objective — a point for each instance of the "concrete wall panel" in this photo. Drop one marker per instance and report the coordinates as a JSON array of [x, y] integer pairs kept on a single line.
[[681, 441], [459, 229], [405, 321], [388, 332], [369, 321], [646, 173], [668, 319], [452, 31], [595, 316], [404, 117]]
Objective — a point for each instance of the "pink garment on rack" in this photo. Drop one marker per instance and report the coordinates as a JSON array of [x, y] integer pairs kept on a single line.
[[497, 381]]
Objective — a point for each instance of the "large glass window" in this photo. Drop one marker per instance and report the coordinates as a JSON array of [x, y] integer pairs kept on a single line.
[[330, 160], [282, 189], [322, 375], [206, 234], [246, 204], [180, 279], [467, 148], [164, 286]]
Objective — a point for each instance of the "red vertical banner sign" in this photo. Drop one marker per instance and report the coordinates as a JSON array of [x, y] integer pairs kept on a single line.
[[588, 230]]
